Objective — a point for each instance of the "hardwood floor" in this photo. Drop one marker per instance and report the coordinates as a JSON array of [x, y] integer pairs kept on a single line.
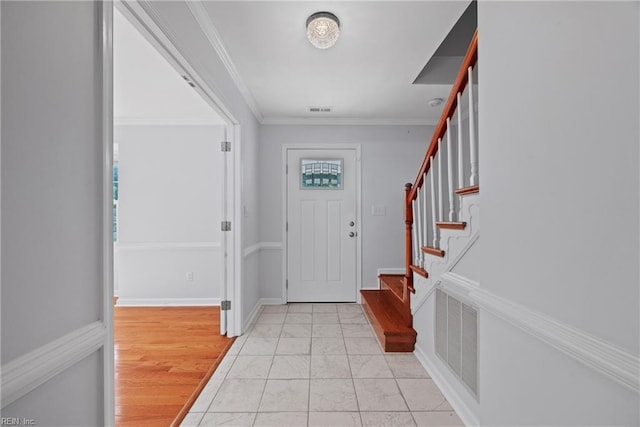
[[162, 356]]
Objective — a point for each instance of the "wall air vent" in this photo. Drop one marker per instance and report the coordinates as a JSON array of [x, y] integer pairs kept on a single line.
[[319, 109], [456, 338]]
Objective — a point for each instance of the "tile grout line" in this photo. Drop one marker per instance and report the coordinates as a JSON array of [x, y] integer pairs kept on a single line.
[[309, 367], [353, 384], [275, 350]]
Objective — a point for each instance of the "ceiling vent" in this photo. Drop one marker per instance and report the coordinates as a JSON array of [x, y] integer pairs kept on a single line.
[[319, 109]]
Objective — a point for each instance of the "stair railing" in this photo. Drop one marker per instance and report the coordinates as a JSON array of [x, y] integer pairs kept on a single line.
[[425, 201]]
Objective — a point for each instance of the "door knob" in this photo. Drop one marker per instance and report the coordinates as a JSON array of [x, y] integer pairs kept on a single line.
[[352, 234], [351, 223]]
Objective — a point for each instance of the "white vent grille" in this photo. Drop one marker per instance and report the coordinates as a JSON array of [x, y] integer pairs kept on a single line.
[[470, 346], [441, 324], [454, 334], [319, 109], [456, 338]]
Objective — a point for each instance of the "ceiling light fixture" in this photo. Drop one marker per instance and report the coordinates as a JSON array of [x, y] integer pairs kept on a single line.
[[435, 102], [323, 29]]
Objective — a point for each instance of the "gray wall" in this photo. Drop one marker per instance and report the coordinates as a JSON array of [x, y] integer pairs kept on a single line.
[[559, 108], [391, 156], [52, 200], [169, 214]]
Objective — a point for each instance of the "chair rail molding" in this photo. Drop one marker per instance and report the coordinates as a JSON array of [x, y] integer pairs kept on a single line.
[[29, 371], [168, 302], [615, 363], [261, 246]]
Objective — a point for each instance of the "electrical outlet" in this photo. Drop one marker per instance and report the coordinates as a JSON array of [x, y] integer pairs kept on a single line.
[[189, 276]]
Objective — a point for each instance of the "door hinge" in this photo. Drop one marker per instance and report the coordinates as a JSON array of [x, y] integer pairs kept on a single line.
[[225, 305], [286, 283], [286, 168], [225, 226], [286, 227], [225, 146]]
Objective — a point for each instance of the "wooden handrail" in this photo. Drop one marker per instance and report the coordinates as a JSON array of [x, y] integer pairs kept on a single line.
[[470, 60]]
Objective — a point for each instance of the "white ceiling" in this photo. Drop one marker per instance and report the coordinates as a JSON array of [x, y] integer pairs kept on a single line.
[[147, 89], [366, 77]]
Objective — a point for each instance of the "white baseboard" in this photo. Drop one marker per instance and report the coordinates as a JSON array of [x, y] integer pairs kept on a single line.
[[391, 270], [169, 302], [603, 357], [463, 411], [252, 316], [258, 308], [271, 301]]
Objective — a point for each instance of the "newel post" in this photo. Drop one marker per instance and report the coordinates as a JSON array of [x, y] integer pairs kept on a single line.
[[408, 215]]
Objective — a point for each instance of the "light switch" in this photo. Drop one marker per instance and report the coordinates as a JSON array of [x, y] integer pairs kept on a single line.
[[378, 210]]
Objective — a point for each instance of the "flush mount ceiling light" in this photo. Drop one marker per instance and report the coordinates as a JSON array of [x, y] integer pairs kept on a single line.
[[323, 29], [435, 102]]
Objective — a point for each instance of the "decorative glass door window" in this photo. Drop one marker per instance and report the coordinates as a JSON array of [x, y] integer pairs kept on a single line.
[[321, 174]]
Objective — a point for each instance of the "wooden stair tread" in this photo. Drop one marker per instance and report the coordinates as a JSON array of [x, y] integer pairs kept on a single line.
[[432, 251], [421, 271], [452, 225], [393, 282], [392, 332], [468, 190]]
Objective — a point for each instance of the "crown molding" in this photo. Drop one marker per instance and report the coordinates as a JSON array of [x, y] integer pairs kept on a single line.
[[346, 121], [204, 20], [160, 121], [168, 302]]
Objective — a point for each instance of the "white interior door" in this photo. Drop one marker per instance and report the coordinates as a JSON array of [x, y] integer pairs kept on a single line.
[[321, 225]]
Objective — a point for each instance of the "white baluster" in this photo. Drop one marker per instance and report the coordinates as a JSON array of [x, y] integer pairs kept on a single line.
[[425, 229], [440, 198], [433, 204], [450, 169], [460, 156], [417, 221], [472, 132], [416, 252]]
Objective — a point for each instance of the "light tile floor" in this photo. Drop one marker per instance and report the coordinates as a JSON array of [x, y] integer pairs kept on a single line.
[[318, 365]]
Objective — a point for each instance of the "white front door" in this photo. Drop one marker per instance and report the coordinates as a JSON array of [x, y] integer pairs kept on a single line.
[[322, 225]]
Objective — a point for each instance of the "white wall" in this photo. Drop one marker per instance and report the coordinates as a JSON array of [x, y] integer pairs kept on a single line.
[[52, 249], [169, 214], [559, 107], [398, 150]]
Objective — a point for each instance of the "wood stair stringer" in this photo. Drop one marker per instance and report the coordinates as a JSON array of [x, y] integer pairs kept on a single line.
[[455, 244]]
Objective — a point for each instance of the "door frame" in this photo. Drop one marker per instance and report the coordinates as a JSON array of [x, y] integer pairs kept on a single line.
[[140, 17], [285, 250]]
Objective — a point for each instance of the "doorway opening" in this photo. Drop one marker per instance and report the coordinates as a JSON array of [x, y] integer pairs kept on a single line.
[[174, 188]]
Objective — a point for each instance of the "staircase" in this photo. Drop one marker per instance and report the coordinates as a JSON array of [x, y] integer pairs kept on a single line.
[[439, 207]]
